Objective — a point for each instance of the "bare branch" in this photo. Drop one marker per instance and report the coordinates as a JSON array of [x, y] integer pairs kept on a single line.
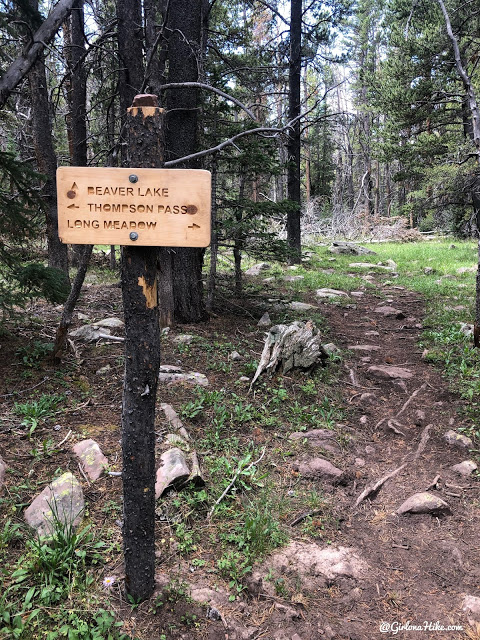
[[201, 85], [22, 65]]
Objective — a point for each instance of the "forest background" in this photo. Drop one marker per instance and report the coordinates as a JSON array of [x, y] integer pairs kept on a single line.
[[343, 115]]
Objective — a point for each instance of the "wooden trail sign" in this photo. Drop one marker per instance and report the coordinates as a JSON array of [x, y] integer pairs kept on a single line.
[[134, 206]]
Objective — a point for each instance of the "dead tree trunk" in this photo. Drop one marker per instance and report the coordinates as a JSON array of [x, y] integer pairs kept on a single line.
[[142, 363]]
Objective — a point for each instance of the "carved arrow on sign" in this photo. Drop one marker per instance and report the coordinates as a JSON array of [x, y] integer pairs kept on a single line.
[[194, 226]]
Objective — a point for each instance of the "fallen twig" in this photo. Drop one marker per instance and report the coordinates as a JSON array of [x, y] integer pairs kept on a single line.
[[434, 483], [372, 488], [64, 440], [303, 516], [414, 395], [392, 424], [423, 442], [232, 483]]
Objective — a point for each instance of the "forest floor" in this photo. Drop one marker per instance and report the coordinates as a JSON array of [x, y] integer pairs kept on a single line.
[[287, 554]]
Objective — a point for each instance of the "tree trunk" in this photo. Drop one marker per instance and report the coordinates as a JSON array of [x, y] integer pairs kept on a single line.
[[185, 54], [47, 161], [294, 103], [130, 51], [70, 304], [212, 275], [76, 96], [142, 363]]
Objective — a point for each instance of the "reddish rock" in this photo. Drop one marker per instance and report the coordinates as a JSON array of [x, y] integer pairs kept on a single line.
[[424, 502], [317, 468], [61, 501], [173, 470], [91, 458], [390, 372], [3, 469]]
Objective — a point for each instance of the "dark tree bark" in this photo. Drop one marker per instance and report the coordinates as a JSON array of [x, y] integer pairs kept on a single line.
[[46, 161], [130, 50], [185, 24], [74, 34], [71, 303], [22, 65], [293, 148], [212, 275], [142, 362]]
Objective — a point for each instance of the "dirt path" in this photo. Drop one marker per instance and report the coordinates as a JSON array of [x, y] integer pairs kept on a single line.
[[420, 566]]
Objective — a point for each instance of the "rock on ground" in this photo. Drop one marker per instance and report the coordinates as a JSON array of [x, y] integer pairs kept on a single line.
[[300, 306], [257, 269], [349, 248], [457, 440], [173, 470], [264, 321], [183, 338], [111, 323], [389, 312], [90, 333], [330, 293], [465, 468], [61, 501], [3, 469], [317, 438], [424, 502], [471, 605], [192, 377], [390, 372], [91, 458], [309, 566], [317, 468]]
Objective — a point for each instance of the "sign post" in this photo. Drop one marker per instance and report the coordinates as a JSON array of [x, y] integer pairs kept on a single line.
[[141, 208]]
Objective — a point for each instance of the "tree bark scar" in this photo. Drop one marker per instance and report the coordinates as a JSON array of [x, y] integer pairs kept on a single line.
[[149, 291], [145, 112]]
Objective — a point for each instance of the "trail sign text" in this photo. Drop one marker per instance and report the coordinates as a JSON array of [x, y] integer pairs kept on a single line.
[[150, 207]]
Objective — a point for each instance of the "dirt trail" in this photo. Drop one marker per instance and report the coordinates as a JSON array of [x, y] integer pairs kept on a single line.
[[421, 566]]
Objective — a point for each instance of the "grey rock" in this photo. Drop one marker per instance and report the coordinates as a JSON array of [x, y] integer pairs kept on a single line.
[[172, 471], [369, 265], [235, 356], [420, 417], [257, 269], [330, 348], [357, 294], [330, 293], [424, 502], [190, 378], [288, 612], [364, 347], [368, 398], [372, 333], [91, 458], [457, 440], [244, 379], [293, 278], [103, 370], [322, 438], [264, 321], [183, 338], [466, 329], [471, 605], [90, 333], [62, 501], [392, 264], [350, 248], [82, 316], [317, 468], [465, 468], [3, 470], [170, 368], [300, 306], [461, 270], [111, 323], [268, 280], [428, 271], [390, 372], [388, 311]]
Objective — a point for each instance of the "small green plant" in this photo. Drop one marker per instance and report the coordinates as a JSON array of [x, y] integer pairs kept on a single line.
[[186, 538], [309, 388], [32, 355], [37, 411], [192, 409], [233, 566]]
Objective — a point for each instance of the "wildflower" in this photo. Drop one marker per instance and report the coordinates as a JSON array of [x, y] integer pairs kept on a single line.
[[109, 581]]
